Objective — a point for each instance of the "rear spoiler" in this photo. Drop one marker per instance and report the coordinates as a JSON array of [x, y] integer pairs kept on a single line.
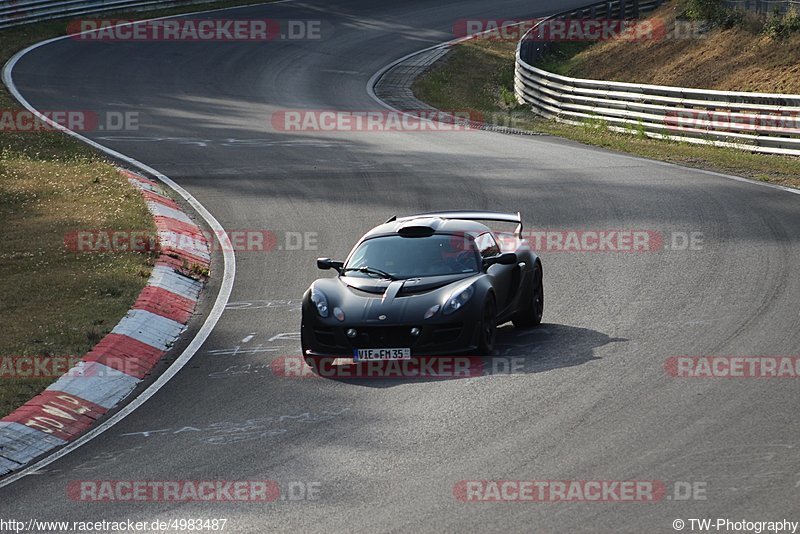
[[471, 215]]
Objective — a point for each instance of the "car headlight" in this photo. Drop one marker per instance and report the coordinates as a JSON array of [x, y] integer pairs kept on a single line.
[[320, 302], [457, 301]]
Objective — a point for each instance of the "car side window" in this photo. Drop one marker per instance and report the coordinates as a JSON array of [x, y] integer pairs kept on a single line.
[[487, 246]]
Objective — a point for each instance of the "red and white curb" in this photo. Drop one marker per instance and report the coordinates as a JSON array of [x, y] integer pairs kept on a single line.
[[112, 368]]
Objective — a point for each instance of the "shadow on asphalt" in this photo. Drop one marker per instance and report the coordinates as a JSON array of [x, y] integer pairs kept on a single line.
[[517, 351]]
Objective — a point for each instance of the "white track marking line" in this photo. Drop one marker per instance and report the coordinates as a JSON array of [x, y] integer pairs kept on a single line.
[[229, 260]]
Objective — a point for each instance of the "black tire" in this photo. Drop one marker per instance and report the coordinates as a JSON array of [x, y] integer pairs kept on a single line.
[[488, 328], [531, 314]]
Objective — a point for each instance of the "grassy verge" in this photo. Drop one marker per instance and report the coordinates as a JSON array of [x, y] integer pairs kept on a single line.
[[54, 302], [478, 75]]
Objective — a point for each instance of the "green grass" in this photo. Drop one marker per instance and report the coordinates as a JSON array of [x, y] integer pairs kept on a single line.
[[54, 302], [561, 58], [478, 76]]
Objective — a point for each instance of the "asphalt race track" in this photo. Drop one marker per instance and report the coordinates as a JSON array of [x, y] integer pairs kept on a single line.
[[587, 396]]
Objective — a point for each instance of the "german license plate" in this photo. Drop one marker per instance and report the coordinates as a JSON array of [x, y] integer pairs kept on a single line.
[[367, 355]]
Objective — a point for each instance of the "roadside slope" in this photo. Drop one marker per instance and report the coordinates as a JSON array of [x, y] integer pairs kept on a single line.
[[477, 76], [746, 56]]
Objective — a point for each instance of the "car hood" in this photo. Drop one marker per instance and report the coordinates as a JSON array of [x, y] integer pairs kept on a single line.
[[385, 302], [407, 287]]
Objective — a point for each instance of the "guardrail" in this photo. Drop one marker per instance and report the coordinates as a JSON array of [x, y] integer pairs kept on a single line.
[[17, 12], [758, 122]]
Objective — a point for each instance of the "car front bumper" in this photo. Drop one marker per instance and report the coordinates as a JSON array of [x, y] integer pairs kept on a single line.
[[437, 339]]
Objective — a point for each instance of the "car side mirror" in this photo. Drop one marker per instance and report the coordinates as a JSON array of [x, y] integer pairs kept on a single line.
[[506, 258], [327, 263]]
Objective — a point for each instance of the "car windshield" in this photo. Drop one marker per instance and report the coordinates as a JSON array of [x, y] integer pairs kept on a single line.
[[412, 257]]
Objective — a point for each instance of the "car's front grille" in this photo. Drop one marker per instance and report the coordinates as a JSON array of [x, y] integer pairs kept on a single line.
[[447, 333], [325, 337], [375, 337], [400, 336], [371, 337]]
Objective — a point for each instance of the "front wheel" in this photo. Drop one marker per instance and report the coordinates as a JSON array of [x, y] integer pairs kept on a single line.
[[488, 328], [531, 314]]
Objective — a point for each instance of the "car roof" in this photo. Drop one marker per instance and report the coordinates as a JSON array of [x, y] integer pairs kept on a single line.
[[439, 225]]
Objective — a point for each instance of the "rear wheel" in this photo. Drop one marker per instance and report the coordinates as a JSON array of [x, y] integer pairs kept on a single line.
[[488, 328], [531, 314]]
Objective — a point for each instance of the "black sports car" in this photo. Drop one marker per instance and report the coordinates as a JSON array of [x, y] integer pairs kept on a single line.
[[424, 285]]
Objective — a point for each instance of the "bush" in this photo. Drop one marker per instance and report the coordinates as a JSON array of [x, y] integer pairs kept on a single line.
[[779, 26], [710, 10], [730, 18], [714, 13]]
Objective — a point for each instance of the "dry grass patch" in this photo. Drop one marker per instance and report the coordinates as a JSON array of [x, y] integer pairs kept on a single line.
[[740, 58]]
